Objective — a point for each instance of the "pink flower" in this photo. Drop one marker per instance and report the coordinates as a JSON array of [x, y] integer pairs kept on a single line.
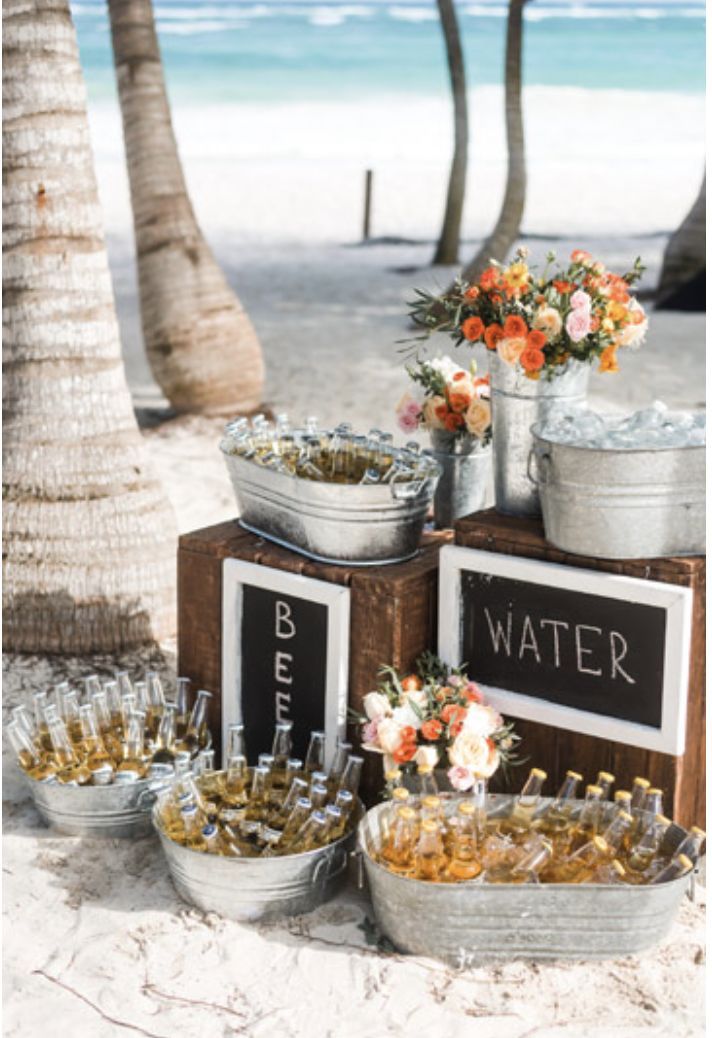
[[369, 733], [407, 421], [473, 690], [461, 778], [455, 680], [578, 324], [581, 300]]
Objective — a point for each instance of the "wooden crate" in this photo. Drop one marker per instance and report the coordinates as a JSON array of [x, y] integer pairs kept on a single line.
[[682, 778], [393, 613]]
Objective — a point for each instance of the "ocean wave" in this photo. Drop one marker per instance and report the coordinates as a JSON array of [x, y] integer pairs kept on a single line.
[[413, 13], [194, 28], [583, 11]]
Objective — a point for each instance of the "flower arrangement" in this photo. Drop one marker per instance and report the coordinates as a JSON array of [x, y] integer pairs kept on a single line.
[[538, 323], [436, 716], [450, 399]]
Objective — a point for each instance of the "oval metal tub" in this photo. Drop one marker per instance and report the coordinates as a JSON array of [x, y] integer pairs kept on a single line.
[[621, 504], [252, 889], [122, 811], [467, 924], [332, 522]]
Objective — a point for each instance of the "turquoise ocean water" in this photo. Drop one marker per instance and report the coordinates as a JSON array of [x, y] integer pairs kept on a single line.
[[220, 51]]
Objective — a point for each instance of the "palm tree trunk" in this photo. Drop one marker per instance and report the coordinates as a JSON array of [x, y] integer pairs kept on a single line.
[[201, 345], [89, 538], [684, 259], [507, 227], [448, 246]]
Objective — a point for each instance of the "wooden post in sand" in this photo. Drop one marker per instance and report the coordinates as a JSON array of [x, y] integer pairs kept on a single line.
[[367, 205]]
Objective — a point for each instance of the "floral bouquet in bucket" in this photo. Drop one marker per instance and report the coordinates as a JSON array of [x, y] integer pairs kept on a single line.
[[436, 718], [450, 400], [537, 322]]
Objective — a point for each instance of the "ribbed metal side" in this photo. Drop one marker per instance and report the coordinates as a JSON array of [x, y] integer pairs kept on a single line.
[[115, 811], [470, 923]]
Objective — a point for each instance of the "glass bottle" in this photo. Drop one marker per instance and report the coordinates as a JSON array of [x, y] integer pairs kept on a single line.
[[69, 768], [679, 865], [392, 778], [96, 756], [345, 802], [106, 730], [605, 782], [71, 717], [588, 821], [526, 868], [113, 701], [218, 842], [169, 811], [133, 766], [297, 817], [299, 788], [164, 748], [192, 836], [39, 702], [691, 845], [638, 790], [318, 795], [524, 807], [351, 775], [645, 847], [236, 741], [294, 769], [464, 863], [335, 823], [128, 706], [272, 840], [314, 760], [197, 731], [318, 778], [258, 803], [26, 722], [91, 685], [431, 808], [156, 702], [343, 750], [427, 782], [28, 756], [617, 831], [580, 866], [399, 851], [556, 818], [387, 816], [182, 707], [282, 744], [312, 834], [234, 792], [124, 683], [652, 805], [430, 859]]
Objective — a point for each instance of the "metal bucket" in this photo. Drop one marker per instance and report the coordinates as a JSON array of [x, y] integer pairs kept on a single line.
[[251, 889], [517, 404], [621, 504], [474, 923], [463, 487], [118, 810], [332, 522]]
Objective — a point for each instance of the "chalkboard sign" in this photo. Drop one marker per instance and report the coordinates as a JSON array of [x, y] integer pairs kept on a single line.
[[578, 649], [285, 655]]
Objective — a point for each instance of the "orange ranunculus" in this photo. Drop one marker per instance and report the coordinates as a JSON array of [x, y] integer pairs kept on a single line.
[[595, 323], [431, 729], [494, 333], [490, 278], [405, 752], [496, 298], [408, 733], [453, 714], [563, 287], [459, 402], [616, 311], [580, 256], [536, 339], [532, 359], [442, 411], [609, 361], [472, 328], [411, 683], [453, 421], [515, 327], [472, 292]]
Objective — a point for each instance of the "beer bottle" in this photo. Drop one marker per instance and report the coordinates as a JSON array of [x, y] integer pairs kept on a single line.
[[605, 782], [426, 781], [679, 865], [28, 756], [234, 792], [197, 730], [555, 820], [312, 834], [429, 852], [106, 728], [192, 836], [392, 778], [399, 852], [164, 749], [314, 760], [524, 807], [297, 817], [691, 845], [69, 768], [351, 775], [282, 744], [588, 821], [133, 766], [70, 708], [298, 789], [182, 708], [464, 863], [97, 757], [343, 750], [525, 868], [258, 802]]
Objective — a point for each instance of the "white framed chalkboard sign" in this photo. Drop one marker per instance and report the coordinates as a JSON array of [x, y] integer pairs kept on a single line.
[[285, 656], [591, 652]]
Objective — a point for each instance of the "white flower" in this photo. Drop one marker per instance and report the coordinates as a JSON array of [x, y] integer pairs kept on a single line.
[[417, 696], [474, 752], [406, 715], [427, 756], [445, 366], [376, 706], [481, 720], [389, 734]]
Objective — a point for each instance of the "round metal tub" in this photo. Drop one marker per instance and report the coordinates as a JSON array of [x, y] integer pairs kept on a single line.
[[122, 811], [475, 923], [331, 522], [621, 504], [251, 889]]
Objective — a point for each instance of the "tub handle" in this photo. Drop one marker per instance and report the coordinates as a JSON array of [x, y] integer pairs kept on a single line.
[[358, 858], [407, 491], [543, 460], [148, 797], [329, 867]]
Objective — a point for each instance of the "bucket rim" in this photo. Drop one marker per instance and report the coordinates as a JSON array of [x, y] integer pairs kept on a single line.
[[534, 430]]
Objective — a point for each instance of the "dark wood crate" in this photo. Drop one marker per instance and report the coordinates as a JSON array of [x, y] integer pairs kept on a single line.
[[554, 749], [393, 614]]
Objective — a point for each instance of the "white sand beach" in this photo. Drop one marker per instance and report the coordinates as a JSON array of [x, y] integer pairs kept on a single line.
[[97, 942]]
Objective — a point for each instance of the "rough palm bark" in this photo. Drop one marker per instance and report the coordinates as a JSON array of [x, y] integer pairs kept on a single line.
[[684, 259], [448, 247], [509, 221], [201, 345], [89, 538]]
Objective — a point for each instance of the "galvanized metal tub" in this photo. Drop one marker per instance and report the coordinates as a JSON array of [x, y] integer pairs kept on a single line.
[[252, 889], [517, 404], [331, 522], [115, 811], [468, 924], [465, 481], [621, 504]]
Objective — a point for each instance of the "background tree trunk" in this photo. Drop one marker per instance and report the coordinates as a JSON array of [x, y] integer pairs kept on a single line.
[[682, 278], [201, 345], [89, 537], [448, 247], [507, 227]]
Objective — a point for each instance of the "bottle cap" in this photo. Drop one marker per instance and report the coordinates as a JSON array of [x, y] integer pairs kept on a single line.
[[684, 861], [605, 776], [424, 769], [429, 826], [662, 820], [617, 867], [600, 844], [594, 791], [697, 831], [641, 782], [574, 775], [431, 802], [293, 764], [400, 793], [406, 813], [654, 792], [209, 831], [622, 794], [537, 773], [465, 808], [303, 803]]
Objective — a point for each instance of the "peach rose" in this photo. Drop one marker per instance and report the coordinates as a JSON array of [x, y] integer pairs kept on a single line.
[[376, 706], [429, 412], [478, 418], [389, 735], [474, 752], [548, 321], [427, 756], [510, 350], [481, 720]]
